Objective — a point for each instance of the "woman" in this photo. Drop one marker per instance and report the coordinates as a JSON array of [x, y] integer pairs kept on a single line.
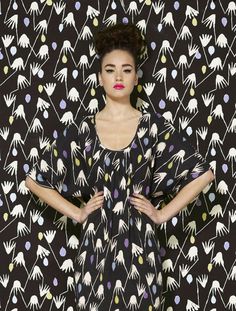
[[121, 163]]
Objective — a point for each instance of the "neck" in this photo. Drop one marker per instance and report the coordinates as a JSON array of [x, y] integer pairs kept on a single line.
[[119, 108]]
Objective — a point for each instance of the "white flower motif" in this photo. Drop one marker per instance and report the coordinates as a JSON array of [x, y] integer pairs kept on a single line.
[[216, 287], [191, 12], [67, 265], [9, 246], [172, 94], [35, 67], [34, 302], [133, 303], [148, 88], [222, 41], [210, 21], [133, 8], [67, 118], [17, 211], [73, 95], [82, 302], [191, 306], [218, 259], [24, 41], [184, 270], [185, 33], [91, 80], [192, 105], [158, 7], [91, 12], [36, 126], [233, 274], [118, 287], [192, 253], [86, 33], [50, 235], [208, 99], [231, 303], [136, 250], [160, 75], [171, 284], [4, 132], [9, 99], [43, 52], [190, 80], [231, 9], [4, 280], [22, 82], [42, 26], [100, 292], [165, 47], [134, 274], [208, 246], [69, 20], [173, 242], [12, 168], [221, 229], [19, 259], [216, 211], [59, 301], [36, 273], [87, 279], [191, 227], [33, 155], [142, 25], [220, 82], [167, 265], [12, 22], [168, 19], [34, 8], [7, 40], [232, 154], [59, 7], [66, 47], [182, 62], [203, 279], [62, 75], [205, 39], [73, 242], [192, 49], [216, 63], [42, 252], [111, 20], [49, 88], [7, 186]]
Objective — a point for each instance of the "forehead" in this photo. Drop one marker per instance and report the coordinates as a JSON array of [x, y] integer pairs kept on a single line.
[[118, 57]]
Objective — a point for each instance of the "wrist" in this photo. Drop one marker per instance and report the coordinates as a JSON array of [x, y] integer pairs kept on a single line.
[[160, 219]]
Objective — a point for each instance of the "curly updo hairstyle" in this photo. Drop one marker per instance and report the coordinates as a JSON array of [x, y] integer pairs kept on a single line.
[[120, 36]]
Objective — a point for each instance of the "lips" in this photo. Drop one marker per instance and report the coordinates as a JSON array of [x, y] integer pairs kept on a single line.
[[118, 86]]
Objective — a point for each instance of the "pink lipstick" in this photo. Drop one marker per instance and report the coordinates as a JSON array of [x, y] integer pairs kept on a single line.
[[119, 86]]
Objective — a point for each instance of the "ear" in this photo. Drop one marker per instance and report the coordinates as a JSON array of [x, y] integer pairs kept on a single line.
[[136, 79], [100, 79]]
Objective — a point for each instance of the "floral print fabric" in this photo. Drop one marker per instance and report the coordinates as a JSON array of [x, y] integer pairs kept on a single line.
[[118, 264]]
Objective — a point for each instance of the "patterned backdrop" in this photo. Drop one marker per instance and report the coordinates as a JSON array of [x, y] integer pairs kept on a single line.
[[47, 78]]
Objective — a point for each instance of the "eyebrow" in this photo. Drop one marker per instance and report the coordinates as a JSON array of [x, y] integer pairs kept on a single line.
[[112, 65]]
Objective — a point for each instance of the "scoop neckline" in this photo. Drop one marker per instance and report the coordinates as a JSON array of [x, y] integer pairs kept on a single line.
[[121, 149]]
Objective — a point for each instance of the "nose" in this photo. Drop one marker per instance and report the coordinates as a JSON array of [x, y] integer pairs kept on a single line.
[[118, 76]]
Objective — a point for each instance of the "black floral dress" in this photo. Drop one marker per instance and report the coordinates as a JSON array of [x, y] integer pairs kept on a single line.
[[118, 265]]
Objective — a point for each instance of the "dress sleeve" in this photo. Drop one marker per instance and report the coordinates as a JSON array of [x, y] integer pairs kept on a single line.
[[176, 162], [62, 166]]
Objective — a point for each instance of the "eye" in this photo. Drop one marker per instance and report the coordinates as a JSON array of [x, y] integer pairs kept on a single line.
[[127, 70], [109, 70]]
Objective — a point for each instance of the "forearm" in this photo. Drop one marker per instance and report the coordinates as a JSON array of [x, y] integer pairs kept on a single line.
[[184, 197], [54, 199]]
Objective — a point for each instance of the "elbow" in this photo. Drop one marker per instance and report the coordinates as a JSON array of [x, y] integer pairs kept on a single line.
[[211, 175], [29, 183]]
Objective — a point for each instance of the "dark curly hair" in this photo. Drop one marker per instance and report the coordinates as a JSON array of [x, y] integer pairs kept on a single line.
[[120, 36]]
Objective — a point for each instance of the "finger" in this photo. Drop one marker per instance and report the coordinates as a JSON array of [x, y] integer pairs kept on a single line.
[[97, 194]]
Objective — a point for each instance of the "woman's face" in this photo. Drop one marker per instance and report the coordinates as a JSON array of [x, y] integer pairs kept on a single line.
[[118, 75]]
